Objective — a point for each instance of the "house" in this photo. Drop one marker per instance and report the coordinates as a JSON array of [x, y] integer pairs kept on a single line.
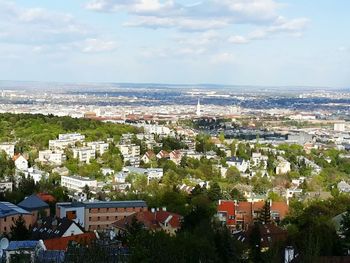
[[107, 171], [8, 148], [152, 220], [61, 243], [283, 166], [98, 215], [21, 163], [241, 164], [150, 173], [175, 156], [77, 183], [226, 212], [27, 249], [343, 187], [35, 174], [55, 227], [163, 155], [148, 157], [9, 213], [35, 206], [239, 215]]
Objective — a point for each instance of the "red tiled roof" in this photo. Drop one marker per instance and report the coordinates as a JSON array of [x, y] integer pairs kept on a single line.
[[151, 220], [62, 242], [46, 197]]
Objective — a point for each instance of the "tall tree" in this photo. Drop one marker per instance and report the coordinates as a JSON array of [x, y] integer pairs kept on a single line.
[[265, 214], [19, 231]]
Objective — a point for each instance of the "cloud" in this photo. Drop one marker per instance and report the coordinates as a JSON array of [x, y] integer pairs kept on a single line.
[[205, 15], [222, 58], [94, 45], [294, 27]]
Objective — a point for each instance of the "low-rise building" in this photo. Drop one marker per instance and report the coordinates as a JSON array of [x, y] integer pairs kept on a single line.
[[37, 207], [9, 213], [283, 166], [99, 215], [241, 164], [77, 183], [100, 146], [48, 156], [6, 187]]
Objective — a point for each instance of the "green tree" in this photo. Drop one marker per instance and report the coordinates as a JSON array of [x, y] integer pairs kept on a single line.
[[265, 214], [19, 231]]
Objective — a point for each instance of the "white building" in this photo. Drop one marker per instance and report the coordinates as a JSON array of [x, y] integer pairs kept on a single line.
[[84, 154], [156, 129], [77, 183], [48, 156], [241, 164], [6, 186], [72, 136], [8, 148], [35, 174], [339, 126], [129, 149], [100, 147], [21, 163], [283, 166]]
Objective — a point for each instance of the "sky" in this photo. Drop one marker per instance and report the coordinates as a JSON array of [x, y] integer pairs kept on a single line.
[[235, 42]]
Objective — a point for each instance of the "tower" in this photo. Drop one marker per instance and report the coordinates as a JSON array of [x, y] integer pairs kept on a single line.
[[198, 112]]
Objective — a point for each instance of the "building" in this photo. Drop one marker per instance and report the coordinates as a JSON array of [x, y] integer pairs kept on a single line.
[[241, 164], [51, 157], [9, 213], [98, 215], [154, 220], [37, 207], [283, 166], [339, 126], [148, 157], [77, 183], [175, 156], [129, 150], [239, 215], [100, 147], [8, 148], [55, 227], [28, 250], [343, 187], [84, 154], [163, 155], [150, 173], [72, 136], [21, 163], [198, 109]]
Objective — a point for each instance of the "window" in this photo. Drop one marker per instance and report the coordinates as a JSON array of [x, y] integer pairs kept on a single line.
[[5, 228], [4, 219], [98, 218], [107, 217]]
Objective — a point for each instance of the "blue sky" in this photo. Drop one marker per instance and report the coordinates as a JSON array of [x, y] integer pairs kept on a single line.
[[239, 42]]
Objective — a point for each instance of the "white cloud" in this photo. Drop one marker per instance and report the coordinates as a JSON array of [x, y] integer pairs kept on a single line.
[[94, 45], [222, 58], [238, 39]]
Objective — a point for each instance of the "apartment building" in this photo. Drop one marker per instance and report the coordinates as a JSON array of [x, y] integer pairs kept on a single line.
[[100, 147], [48, 156], [84, 154], [99, 215], [9, 213], [77, 183], [72, 136], [65, 140]]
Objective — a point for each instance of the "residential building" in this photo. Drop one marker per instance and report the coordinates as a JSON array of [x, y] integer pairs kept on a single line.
[[148, 157], [55, 227], [239, 215], [175, 156], [48, 156], [283, 166], [163, 155], [343, 187], [77, 183], [72, 136], [98, 215], [84, 154], [9, 213], [100, 146], [28, 250], [241, 164], [37, 207], [21, 162], [153, 220]]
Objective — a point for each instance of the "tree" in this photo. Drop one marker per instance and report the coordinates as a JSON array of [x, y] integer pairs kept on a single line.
[[87, 191], [214, 193], [345, 230], [265, 214], [19, 231]]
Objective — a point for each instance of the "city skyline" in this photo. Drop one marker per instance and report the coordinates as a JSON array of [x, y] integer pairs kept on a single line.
[[255, 42]]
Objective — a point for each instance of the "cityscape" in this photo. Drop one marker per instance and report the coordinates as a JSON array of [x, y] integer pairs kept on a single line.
[[174, 131]]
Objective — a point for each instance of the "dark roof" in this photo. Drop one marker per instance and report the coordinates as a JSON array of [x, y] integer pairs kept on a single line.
[[50, 256], [234, 159], [105, 204], [51, 227], [9, 209], [26, 244], [32, 203]]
